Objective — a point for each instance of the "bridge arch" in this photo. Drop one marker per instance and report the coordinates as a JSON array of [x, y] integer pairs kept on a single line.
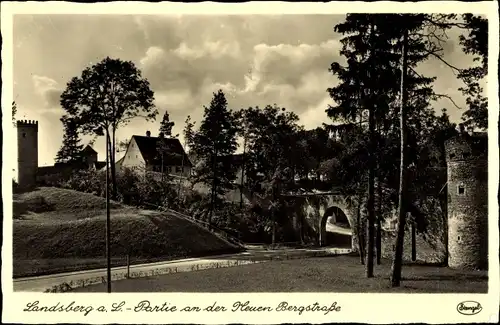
[[335, 226]]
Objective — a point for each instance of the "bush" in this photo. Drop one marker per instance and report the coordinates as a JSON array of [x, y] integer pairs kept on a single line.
[[87, 180], [127, 186]]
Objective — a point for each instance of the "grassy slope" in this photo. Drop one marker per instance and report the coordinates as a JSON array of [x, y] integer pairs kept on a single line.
[[65, 231], [327, 274]]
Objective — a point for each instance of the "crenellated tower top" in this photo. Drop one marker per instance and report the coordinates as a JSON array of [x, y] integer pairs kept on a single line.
[[27, 123]]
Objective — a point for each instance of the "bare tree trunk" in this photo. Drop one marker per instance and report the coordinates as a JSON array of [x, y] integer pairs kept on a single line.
[[108, 216], [214, 190], [162, 166], [361, 239], [113, 167], [182, 172], [242, 173], [371, 185], [413, 242], [378, 242], [398, 253]]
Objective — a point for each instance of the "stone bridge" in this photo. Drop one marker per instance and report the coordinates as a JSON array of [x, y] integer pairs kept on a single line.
[[326, 211]]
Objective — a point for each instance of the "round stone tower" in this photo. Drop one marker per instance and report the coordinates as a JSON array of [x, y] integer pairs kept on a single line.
[[27, 153], [467, 162]]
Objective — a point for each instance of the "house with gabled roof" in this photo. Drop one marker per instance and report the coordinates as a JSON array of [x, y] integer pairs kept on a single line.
[[143, 154]]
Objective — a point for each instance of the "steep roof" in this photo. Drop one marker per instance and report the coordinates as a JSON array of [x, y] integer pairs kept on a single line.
[[173, 156], [89, 150]]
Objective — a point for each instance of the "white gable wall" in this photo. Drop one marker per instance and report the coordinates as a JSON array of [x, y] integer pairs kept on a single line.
[[133, 157]]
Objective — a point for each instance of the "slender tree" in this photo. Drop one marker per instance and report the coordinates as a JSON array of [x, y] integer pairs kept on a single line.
[[214, 142], [166, 126], [162, 146], [402, 209], [105, 96]]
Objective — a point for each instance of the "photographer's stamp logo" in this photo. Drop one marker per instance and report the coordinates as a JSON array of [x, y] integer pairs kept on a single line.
[[469, 307]]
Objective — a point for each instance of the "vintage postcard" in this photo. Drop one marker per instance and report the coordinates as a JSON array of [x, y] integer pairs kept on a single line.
[[256, 163]]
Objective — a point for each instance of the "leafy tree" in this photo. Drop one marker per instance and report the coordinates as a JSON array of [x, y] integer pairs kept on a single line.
[[106, 96], [71, 148], [475, 42], [215, 139], [271, 144]]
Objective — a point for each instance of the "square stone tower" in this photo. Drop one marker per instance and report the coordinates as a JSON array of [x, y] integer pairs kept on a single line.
[[27, 153]]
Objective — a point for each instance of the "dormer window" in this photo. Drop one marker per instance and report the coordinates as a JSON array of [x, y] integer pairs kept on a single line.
[[461, 189]]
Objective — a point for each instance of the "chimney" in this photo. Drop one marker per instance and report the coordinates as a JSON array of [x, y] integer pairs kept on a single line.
[[148, 133]]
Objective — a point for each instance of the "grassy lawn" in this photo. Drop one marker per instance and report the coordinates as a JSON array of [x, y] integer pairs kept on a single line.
[[52, 226], [327, 274]]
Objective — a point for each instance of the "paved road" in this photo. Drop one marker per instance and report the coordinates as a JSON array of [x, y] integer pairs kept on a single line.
[[41, 283]]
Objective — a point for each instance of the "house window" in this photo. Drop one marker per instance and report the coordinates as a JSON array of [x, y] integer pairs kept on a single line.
[[461, 189], [24, 135]]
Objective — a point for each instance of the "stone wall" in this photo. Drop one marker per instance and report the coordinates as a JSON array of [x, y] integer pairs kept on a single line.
[[427, 250]]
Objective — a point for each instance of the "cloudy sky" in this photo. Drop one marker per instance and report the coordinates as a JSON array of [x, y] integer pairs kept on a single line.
[[256, 60]]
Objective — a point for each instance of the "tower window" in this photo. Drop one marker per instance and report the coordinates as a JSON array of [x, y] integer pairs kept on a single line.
[[461, 189]]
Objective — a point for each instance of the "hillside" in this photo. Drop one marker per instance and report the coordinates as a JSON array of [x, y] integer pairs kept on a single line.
[[58, 230]]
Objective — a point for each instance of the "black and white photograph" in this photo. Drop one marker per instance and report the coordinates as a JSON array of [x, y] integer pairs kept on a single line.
[[238, 155]]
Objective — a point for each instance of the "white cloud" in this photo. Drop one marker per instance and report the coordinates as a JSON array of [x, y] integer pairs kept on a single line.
[[287, 64], [42, 84], [48, 89], [153, 55]]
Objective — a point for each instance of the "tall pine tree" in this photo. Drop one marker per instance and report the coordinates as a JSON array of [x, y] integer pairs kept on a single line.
[[71, 147], [214, 143], [166, 126]]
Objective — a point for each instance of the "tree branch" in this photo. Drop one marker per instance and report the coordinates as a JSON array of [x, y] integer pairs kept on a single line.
[[454, 69], [449, 98], [437, 95]]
